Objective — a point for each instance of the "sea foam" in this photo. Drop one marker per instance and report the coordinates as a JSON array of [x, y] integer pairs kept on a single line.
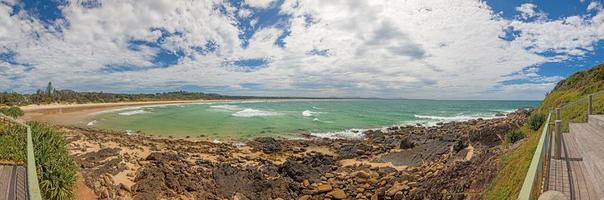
[[226, 107], [134, 112], [309, 113], [248, 112], [91, 123], [346, 134]]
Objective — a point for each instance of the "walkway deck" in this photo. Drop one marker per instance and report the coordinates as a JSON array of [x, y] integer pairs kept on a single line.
[[584, 154], [13, 182]]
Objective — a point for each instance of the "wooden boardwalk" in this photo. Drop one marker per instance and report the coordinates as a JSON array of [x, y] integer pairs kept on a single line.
[[13, 182], [579, 173]]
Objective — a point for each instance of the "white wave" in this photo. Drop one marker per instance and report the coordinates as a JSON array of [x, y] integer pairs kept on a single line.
[[504, 111], [134, 112], [308, 113], [452, 118], [248, 112], [116, 110], [91, 123], [130, 132], [346, 134], [458, 118], [226, 107], [316, 119]]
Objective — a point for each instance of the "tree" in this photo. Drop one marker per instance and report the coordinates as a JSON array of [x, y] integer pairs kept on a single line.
[[49, 89]]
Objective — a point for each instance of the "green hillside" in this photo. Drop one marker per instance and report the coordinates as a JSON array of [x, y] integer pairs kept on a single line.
[[570, 94]]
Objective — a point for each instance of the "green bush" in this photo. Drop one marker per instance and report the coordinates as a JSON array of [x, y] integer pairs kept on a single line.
[[536, 120], [515, 136], [12, 111], [56, 168]]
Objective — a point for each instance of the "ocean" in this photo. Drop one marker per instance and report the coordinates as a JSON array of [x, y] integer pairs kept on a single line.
[[338, 118]]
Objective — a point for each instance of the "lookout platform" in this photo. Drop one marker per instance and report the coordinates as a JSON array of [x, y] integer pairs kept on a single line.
[[579, 172]]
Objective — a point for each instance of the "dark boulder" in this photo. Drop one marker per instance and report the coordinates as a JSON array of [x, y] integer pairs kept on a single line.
[[266, 144]]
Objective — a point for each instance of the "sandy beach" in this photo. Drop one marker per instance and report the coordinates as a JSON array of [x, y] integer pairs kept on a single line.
[[76, 114]]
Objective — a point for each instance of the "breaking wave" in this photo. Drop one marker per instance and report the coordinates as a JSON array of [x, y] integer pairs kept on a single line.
[[345, 134], [226, 107], [134, 112], [248, 112], [91, 123]]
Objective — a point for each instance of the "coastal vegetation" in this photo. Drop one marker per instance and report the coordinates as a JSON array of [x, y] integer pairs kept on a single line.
[[52, 95], [56, 169], [12, 111], [536, 120], [571, 92], [515, 136]]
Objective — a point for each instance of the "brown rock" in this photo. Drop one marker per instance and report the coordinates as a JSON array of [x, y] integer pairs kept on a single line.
[[306, 183], [324, 188], [361, 174], [125, 187], [396, 188], [338, 194], [305, 197]]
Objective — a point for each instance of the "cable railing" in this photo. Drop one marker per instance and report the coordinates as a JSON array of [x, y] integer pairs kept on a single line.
[[33, 187], [550, 141], [578, 110]]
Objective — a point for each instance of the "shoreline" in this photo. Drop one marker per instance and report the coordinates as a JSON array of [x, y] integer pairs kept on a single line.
[[75, 114], [78, 115]]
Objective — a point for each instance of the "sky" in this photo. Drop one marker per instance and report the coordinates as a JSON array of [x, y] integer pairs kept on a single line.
[[434, 49]]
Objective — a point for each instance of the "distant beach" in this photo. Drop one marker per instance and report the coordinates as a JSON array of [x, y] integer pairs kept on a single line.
[[73, 114]]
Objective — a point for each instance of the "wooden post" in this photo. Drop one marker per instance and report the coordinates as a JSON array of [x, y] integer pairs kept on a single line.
[[589, 108], [558, 117], [558, 140]]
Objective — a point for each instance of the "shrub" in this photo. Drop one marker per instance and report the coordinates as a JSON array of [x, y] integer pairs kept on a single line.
[[515, 136], [12, 143], [12, 111], [536, 120], [56, 168]]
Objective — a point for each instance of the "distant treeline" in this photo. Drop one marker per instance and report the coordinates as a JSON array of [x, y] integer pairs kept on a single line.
[[52, 95]]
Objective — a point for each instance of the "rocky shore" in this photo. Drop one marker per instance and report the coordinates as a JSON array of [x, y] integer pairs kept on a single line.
[[453, 160]]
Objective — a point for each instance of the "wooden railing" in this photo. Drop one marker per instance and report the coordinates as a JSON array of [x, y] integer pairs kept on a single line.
[[33, 187], [533, 183]]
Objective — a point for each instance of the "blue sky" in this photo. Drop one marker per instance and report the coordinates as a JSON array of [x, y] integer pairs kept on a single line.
[[343, 48]]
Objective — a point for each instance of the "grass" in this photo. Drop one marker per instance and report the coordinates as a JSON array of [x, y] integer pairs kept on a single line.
[[571, 92], [515, 164], [56, 169]]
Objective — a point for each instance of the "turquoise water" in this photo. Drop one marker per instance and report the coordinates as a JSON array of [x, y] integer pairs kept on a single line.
[[290, 119]]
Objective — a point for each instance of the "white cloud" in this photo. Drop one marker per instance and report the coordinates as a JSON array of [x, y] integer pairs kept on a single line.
[[594, 5], [412, 49], [529, 10], [259, 3]]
